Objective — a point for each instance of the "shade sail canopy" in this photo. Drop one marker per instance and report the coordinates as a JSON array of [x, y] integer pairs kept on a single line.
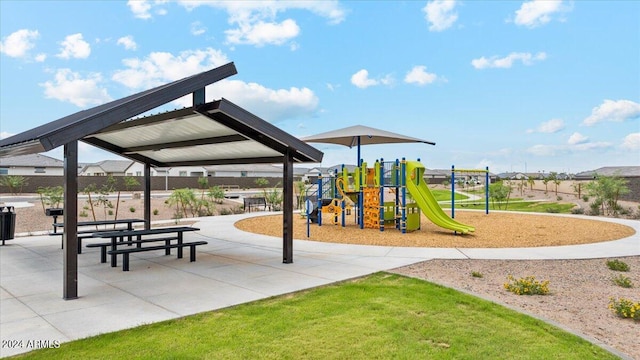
[[349, 136]]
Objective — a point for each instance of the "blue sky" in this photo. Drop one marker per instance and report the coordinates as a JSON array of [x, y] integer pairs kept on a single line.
[[513, 85]]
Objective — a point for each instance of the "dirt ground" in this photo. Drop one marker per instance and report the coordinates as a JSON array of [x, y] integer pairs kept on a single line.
[[32, 219]]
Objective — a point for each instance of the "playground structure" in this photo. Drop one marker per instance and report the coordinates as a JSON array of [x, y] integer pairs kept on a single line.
[[389, 194]]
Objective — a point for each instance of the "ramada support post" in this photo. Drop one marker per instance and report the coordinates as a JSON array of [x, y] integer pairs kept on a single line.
[[147, 196], [70, 216], [287, 210]]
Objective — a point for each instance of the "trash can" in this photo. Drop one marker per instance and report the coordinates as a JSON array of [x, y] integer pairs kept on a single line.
[[7, 223]]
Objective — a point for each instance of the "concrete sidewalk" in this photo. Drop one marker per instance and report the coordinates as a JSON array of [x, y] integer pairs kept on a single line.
[[235, 267]]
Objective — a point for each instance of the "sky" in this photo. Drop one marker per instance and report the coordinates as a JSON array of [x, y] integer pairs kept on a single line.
[[535, 86]]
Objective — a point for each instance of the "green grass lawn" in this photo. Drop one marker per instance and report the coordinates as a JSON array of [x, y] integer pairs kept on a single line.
[[381, 316], [516, 205], [443, 195]]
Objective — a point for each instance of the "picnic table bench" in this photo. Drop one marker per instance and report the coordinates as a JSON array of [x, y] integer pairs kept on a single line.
[[250, 202], [96, 227], [144, 237]]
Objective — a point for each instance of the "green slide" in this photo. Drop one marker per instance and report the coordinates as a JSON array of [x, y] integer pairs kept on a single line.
[[427, 203]]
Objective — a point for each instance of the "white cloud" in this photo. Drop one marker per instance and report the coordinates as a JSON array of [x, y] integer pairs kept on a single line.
[[631, 142], [507, 61], [388, 80], [71, 87], [40, 57], [140, 8], [440, 14], [577, 138], [537, 12], [613, 111], [162, 67], [74, 46], [255, 21], [419, 75], [4, 134], [270, 104], [127, 42], [18, 44], [263, 33], [554, 150], [197, 28], [361, 79], [549, 127]]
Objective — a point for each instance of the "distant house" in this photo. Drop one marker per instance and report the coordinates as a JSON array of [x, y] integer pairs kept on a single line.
[[252, 170], [137, 169], [29, 165], [621, 171], [630, 173], [107, 168]]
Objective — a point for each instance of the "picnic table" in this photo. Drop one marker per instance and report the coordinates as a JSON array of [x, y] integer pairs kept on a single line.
[[145, 236], [98, 226]]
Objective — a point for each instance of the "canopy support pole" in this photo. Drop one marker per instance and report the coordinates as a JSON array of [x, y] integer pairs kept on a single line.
[[287, 209], [147, 196], [70, 216]]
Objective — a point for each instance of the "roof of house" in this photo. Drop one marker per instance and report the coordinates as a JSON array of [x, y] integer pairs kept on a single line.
[[31, 160], [113, 166], [245, 167], [623, 171]]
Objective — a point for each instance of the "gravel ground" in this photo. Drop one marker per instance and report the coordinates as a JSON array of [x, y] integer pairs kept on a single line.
[[578, 298]]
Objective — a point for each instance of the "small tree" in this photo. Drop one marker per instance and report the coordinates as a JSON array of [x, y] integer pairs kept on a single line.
[[553, 177], [545, 181], [130, 182], [531, 181], [500, 194], [273, 197], [185, 202], [15, 183], [300, 189], [261, 182], [50, 196], [216, 194], [607, 191]]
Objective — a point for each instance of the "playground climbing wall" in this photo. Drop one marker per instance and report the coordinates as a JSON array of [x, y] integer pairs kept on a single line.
[[371, 208]]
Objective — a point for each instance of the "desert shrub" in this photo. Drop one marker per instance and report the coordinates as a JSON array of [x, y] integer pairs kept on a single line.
[[225, 211], [83, 214], [261, 182], [238, 209], [595, 208], [552, 210], [622, 281], [51, 196], [559, 198], [526, 286], [585, 198], [156, 212], [476, 274], [110, 212], [14, 183], [625, 308], [132, 209], [577, 211], [617, 265]]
